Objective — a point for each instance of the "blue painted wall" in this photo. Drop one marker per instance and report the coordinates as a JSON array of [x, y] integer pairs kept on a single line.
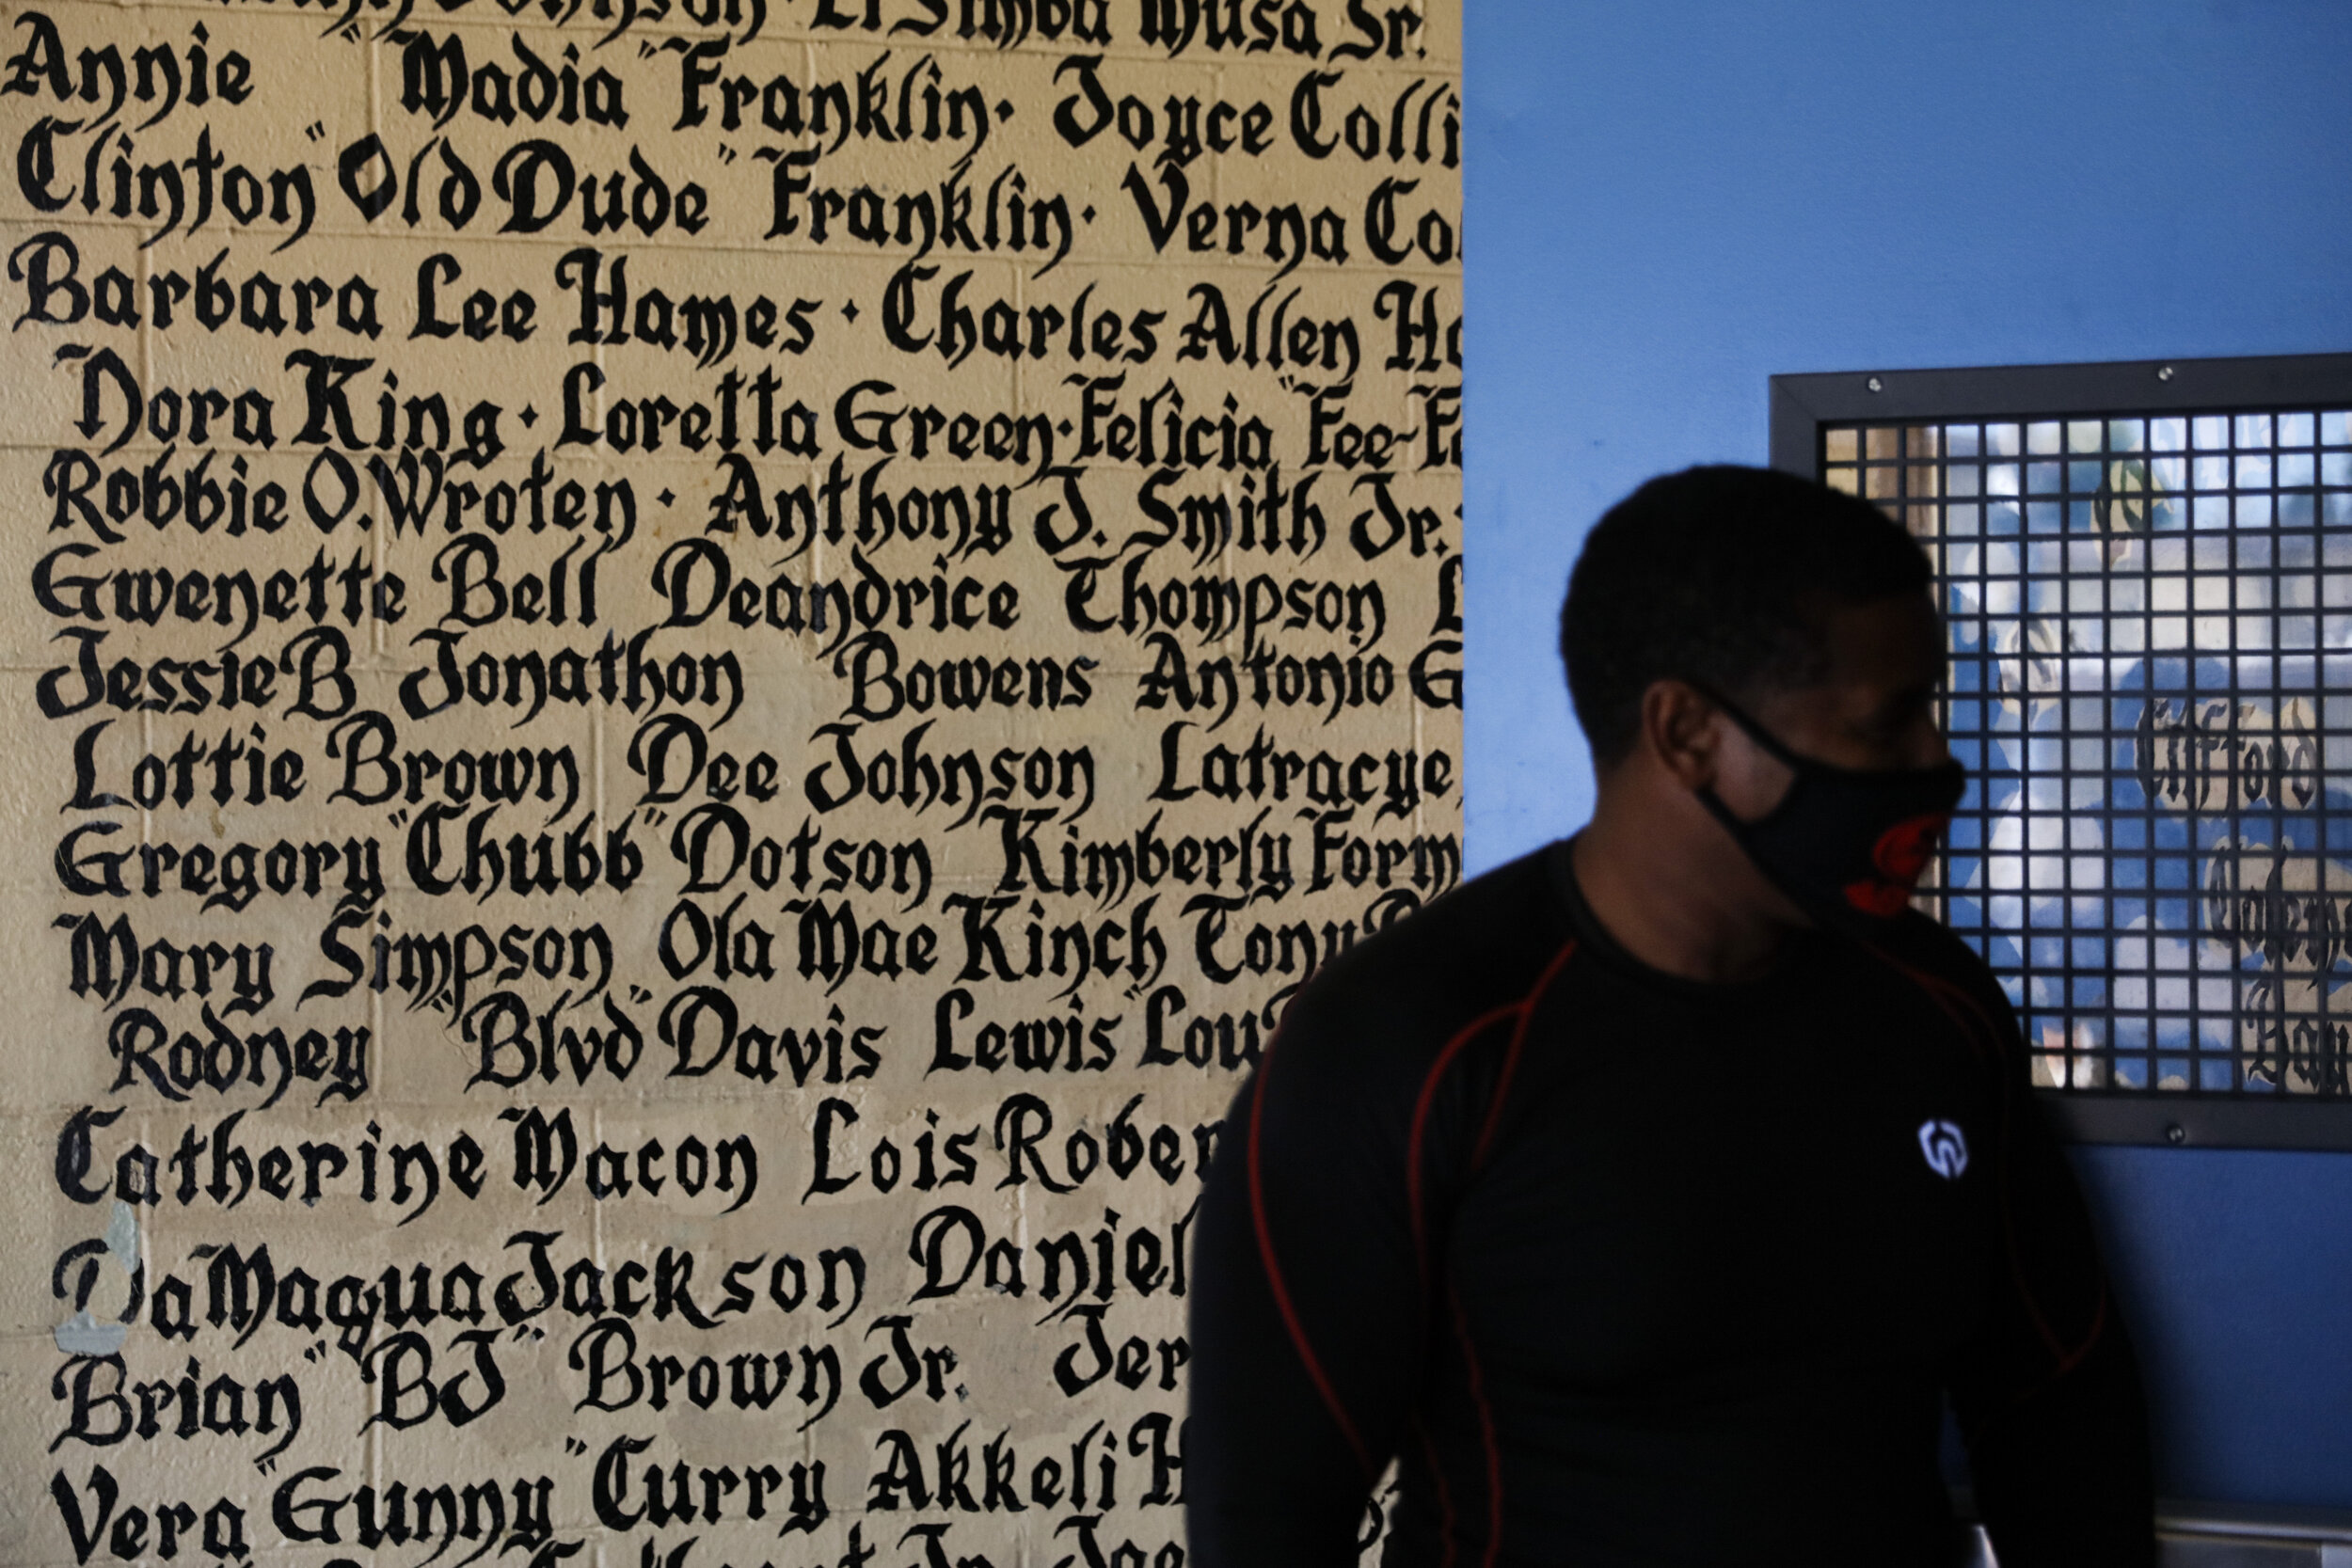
[[1669, 203]]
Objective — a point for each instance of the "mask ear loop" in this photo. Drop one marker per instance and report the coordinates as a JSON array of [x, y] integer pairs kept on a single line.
[[1763, 737], [1771, 744]]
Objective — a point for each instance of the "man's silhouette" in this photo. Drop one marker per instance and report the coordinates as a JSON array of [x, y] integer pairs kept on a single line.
[[1645, 1200]]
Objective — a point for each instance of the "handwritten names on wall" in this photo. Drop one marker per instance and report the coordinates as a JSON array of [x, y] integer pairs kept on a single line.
[[688, 681]]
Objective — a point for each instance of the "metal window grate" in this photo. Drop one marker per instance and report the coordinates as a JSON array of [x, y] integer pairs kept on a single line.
[[2149, 606]]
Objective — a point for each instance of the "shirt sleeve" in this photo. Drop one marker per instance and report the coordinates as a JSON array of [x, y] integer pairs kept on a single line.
[[1306, 1305], [2049, 1396]]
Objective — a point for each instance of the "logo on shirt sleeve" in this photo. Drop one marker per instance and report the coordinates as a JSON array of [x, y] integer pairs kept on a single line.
[[1946, 1146]]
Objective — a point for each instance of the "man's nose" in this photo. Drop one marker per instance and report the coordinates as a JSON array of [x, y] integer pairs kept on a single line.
[[1926, 746]]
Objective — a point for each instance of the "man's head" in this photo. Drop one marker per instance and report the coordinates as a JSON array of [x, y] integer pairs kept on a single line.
[[1724, 577], [1725, 628]]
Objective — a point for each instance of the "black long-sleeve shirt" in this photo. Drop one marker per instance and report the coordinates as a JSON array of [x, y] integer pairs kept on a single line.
[[1625, 1269]]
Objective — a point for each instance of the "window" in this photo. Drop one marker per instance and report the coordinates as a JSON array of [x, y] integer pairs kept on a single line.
[[2146, 577]]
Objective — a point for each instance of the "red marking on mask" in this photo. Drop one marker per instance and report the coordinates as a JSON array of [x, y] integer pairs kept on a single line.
[[1901, 854]]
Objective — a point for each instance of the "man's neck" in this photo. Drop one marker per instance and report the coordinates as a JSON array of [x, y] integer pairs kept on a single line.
[[1674, 900]]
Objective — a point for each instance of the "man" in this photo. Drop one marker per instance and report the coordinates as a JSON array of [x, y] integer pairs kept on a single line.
[[1647, 1199]]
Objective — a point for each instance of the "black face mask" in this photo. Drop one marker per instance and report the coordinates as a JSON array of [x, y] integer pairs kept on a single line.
[[1845, 845]]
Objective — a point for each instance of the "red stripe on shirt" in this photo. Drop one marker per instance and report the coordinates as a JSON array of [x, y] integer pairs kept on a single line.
[[1487, 1436], [1519, 1041], [1281, 1292], [1413, 1143]]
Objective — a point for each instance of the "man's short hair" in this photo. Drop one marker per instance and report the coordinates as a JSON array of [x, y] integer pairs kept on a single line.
[[1719, 575]]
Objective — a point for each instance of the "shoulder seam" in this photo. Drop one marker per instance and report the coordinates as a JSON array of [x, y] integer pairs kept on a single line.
[[1945, 994], [1422, 1102], [1521, 1012], [1519, 1041]]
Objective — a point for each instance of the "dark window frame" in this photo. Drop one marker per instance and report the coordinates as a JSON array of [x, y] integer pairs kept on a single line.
[[1803, 406]]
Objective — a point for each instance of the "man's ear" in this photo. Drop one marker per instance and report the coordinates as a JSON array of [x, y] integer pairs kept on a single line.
[[1682, 728]]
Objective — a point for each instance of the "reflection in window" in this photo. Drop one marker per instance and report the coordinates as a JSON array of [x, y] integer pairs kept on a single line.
[[2146, 616]]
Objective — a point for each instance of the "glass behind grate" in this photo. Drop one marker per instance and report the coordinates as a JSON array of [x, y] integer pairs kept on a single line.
[[2147, 615]]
